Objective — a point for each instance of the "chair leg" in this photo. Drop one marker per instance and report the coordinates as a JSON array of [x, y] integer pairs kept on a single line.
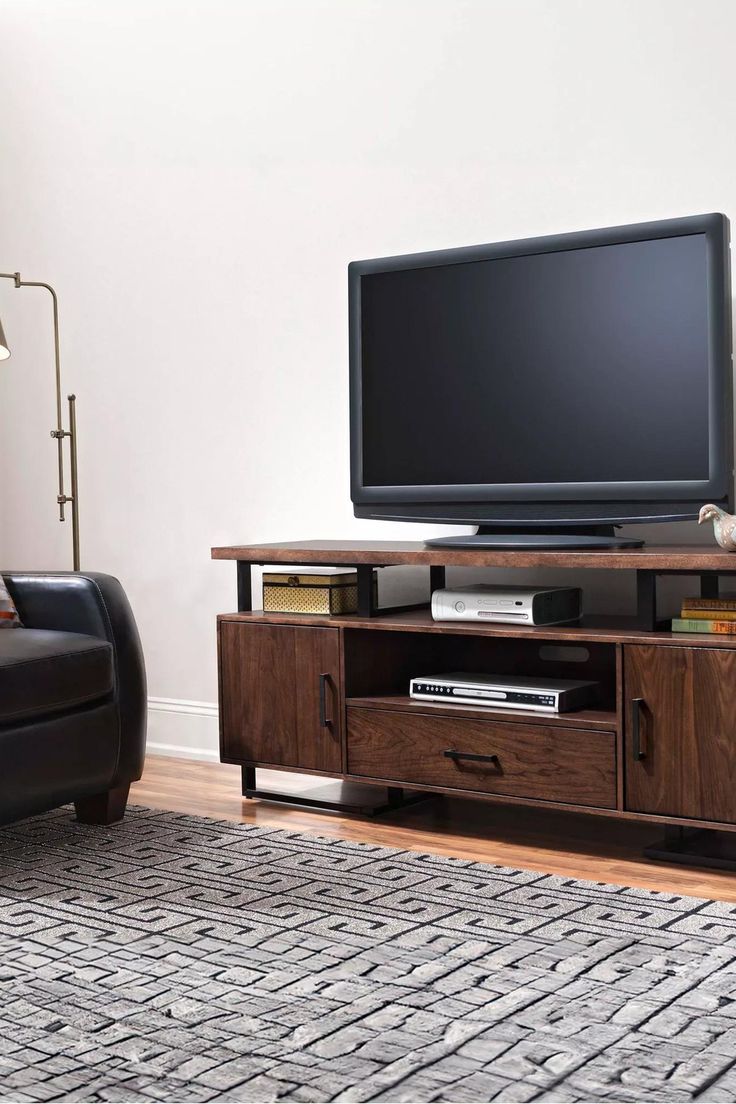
[[103, 808]]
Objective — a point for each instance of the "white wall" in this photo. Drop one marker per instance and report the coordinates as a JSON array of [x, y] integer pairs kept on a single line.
[[194, 177]]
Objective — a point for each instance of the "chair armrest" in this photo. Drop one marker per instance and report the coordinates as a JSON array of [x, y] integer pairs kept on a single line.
[[97, 605]]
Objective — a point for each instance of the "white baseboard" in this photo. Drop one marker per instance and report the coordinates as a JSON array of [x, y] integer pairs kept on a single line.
[[184, 729]]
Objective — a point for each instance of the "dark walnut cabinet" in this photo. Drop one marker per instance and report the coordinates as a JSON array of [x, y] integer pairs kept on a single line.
[[280, 699], [681, 745], [329, 695], [332, 699]]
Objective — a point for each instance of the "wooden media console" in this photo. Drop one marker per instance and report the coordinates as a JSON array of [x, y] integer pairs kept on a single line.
[[328, 695]]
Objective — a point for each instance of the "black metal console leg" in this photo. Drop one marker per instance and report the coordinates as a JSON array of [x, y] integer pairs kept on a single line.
[[704, 847], [245, 597], [366, 597], [249, 781], [709, 586], [436, 579], [646, 600], [366, 606]]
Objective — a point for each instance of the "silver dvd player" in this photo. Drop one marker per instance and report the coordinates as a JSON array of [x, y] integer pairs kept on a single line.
[[543, 695]]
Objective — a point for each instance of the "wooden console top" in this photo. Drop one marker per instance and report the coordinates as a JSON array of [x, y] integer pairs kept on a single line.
[[660, 558]]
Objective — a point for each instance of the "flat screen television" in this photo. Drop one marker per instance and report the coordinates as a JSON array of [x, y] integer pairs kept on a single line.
[[545, 390]]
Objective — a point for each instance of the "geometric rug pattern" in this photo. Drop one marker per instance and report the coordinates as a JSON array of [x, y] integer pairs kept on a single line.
[[174, 958]]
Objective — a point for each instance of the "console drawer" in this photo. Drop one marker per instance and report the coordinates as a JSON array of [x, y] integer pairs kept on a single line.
[[572, 765]]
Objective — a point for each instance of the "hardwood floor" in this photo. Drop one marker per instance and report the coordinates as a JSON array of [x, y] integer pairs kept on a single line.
[[570, 845]]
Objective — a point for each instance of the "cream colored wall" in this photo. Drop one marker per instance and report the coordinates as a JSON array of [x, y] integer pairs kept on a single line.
[[194, 177]]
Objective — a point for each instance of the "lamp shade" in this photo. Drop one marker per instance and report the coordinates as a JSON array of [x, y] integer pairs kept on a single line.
[[4, 350]]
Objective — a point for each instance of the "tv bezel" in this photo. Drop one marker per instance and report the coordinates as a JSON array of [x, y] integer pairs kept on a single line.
[[530, 503]]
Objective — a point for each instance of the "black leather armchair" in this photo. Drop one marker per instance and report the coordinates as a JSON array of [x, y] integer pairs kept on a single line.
[[72, 697]]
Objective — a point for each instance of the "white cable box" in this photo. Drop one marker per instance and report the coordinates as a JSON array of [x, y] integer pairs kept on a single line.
[[509, 605], [542, 695]]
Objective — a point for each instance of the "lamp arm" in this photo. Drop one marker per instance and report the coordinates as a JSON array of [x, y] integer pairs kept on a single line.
[[59, 433]]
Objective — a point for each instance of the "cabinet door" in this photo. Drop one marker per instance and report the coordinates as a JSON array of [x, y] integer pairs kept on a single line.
[[279, 696], [683, 761]]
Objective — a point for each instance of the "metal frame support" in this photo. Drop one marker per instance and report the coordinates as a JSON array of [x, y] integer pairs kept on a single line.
[[366, 604], [699, 847], [709, 586], [646, 600], [373, 805], [245, 594], [436, 579], [249, 781], [366, 600], [646, 594]]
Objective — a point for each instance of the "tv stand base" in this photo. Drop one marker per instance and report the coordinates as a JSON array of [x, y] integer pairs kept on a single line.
[[538, 537]]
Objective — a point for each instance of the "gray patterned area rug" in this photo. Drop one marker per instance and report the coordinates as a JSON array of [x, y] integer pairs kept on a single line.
[[176, 958]]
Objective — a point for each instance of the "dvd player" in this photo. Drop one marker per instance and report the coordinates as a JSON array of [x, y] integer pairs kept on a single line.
[[505, 691]]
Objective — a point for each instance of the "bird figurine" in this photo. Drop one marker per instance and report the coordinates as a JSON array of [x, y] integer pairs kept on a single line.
[[724, 525]]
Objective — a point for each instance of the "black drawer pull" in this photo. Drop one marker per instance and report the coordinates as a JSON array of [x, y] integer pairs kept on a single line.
[[636, 708], [324, 722], [471, 757]]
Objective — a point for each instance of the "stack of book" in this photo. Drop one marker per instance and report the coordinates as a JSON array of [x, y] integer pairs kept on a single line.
[[707, 615]]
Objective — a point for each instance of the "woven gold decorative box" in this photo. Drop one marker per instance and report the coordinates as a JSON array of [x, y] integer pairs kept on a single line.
[[319, 591]]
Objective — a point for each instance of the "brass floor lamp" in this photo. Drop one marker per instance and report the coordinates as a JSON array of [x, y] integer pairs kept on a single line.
[[59, 434]]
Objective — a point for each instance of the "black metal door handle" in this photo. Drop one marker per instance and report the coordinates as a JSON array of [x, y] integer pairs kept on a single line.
[[324, 722], [636, 708], [471, 757]]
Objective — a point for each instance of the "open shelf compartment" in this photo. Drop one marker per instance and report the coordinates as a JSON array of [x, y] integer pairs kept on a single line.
[[379, 666]]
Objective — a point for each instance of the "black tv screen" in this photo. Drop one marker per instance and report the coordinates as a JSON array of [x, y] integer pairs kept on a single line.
[[588, 365], [582, 369]]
